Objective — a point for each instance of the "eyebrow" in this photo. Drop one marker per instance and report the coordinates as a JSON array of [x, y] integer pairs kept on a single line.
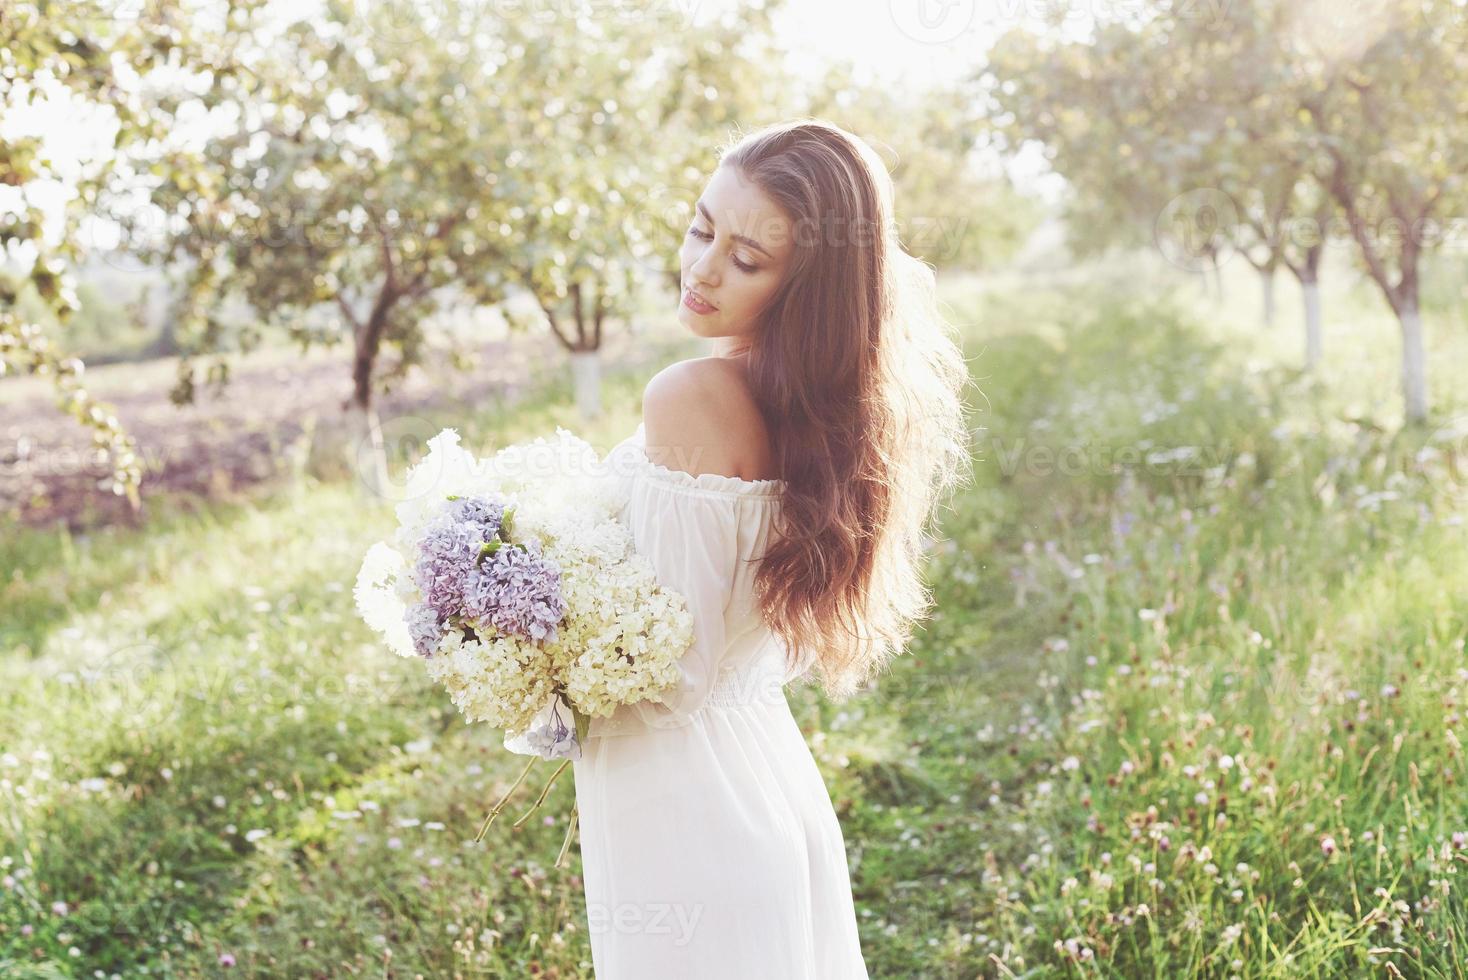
[[738, 238]]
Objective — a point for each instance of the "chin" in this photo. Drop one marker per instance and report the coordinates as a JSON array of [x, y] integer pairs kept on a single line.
[[688, 320]]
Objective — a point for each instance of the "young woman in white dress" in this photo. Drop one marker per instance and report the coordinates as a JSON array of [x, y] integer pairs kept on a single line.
[[783, 486]]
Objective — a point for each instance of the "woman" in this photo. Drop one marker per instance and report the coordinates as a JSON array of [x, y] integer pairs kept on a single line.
[[782, 486]]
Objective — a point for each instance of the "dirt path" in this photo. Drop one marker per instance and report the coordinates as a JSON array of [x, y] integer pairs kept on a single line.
[[247, 434]]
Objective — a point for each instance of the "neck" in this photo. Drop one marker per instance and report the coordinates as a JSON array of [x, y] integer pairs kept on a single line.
[[731, 347]]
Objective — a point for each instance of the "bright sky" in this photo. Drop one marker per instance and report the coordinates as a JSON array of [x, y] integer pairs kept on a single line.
[[908, 42]]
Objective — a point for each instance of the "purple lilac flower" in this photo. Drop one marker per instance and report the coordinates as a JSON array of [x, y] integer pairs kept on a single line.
[[554, 738], [516, 591], [450, 549], [477, 510], [425, 626]]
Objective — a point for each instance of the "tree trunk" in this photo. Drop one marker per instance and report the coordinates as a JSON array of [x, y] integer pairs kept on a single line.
[[1414, 363], [586, 381], [1313, 345], [366, 456], [354, 449]]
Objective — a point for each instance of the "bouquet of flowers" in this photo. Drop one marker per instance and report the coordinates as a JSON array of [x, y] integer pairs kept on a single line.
[[512, 579]]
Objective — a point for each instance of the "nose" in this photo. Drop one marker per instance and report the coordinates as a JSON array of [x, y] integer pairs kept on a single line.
[[704, 269]]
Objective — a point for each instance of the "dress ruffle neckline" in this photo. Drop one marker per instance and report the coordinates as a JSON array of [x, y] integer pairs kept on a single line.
[[715, 482]]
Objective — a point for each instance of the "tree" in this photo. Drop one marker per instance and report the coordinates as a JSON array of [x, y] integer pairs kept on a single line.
[[323, 185], [616, 124], [1390, 121], [374, 156], [1265, 111], [1087, 104], [948, 212], [84, 50]]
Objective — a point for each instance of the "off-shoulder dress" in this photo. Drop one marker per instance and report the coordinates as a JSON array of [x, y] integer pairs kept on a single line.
[[709, 845]]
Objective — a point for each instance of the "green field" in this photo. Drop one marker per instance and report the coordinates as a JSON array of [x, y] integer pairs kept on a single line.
[[1191, 703]]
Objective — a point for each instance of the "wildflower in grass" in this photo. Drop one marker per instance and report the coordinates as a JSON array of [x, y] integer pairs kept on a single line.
[[226, 959], [1327, 845], [1074, 949]]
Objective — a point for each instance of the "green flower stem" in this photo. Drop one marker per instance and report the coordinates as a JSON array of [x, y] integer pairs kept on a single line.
[[570, 832], [543, 793], [505, 799]]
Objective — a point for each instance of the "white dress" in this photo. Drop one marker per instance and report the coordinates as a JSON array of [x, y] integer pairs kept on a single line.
[[709, 846]]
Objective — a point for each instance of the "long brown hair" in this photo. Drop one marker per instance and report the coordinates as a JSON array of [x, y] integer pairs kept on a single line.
[[861, 385]]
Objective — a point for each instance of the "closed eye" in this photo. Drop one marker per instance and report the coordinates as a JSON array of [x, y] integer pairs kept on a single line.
[[705, 236]]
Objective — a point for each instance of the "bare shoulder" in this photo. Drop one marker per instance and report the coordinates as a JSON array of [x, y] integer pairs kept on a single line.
[[699, 416]]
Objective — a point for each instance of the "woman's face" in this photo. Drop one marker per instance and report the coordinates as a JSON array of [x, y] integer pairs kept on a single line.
[[734, 256]]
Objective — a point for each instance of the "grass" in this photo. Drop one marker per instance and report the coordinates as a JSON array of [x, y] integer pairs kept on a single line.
[[1189, 703]]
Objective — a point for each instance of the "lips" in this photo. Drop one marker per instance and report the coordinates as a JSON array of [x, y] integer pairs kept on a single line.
[[697, 303]]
